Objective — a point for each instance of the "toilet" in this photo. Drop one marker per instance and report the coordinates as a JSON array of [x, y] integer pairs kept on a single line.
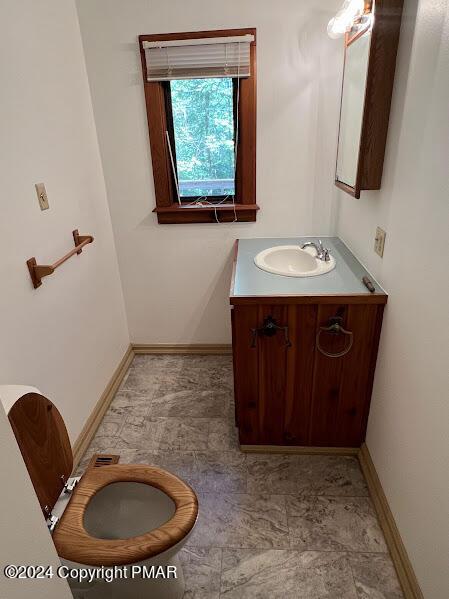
[[126, 521]]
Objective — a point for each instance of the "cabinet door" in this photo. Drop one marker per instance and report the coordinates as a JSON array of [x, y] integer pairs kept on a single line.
[[246, 373], [358, 374], [342, 385], [272, 354], [260, 370], [300, 358]]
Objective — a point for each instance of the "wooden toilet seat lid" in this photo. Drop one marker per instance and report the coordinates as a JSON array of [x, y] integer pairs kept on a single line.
[[45, 446], [74, 543]]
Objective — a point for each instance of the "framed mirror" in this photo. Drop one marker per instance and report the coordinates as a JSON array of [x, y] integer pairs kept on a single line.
[[368, 76]]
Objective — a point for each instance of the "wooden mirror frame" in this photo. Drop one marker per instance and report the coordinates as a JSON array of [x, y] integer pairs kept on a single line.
[[378, 92]]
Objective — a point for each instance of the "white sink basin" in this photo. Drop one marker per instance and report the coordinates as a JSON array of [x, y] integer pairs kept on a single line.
[[292, 261]]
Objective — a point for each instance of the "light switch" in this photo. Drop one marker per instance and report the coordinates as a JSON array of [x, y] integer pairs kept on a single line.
[[42, 196], [379, 241]]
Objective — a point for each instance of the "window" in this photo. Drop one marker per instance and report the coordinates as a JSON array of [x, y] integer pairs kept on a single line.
[[201, 107], [203, 135]]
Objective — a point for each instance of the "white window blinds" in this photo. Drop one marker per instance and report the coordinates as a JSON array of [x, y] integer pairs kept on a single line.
[[198, 58]]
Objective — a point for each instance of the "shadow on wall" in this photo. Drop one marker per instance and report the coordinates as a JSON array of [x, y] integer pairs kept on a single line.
[[214, 307], [311, 38], [403, 61]]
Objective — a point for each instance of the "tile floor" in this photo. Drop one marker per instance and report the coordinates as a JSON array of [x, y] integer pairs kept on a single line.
[[269, 526]]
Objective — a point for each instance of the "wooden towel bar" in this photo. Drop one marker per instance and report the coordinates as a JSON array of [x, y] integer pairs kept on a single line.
[[39, 271]]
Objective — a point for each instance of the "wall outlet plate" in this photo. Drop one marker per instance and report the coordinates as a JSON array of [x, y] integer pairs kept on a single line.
[[379, 241], [42, 196]]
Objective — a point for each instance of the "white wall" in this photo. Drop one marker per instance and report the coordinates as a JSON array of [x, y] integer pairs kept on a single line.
[[66, 337], [408, 429], [24, 535], [176, 277]]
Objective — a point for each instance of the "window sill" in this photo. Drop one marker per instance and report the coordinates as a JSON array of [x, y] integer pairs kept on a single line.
[[176, 214]]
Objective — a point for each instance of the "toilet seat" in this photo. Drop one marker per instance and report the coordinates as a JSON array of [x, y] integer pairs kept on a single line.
[[75, 544], [45, 446]]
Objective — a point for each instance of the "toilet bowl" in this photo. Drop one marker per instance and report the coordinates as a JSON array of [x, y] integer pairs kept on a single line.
[[117, 529]]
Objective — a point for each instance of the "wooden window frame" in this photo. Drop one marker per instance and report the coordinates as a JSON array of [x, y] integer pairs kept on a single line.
[[167, 208]]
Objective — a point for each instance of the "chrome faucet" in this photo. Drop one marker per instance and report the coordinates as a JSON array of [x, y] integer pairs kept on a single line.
[[322, 253]]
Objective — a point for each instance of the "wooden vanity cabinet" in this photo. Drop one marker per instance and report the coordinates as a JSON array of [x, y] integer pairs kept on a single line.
[[287, 391]]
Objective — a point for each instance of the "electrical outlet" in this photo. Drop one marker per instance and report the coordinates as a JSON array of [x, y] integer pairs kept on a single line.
[[379, 241], [42, 196]]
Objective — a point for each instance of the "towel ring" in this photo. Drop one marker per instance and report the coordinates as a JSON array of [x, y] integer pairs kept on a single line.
[[335, 328]]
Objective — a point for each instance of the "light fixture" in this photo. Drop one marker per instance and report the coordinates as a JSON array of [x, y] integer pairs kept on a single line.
[[345, 18]]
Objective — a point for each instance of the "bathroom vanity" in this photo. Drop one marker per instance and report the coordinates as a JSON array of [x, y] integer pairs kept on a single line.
[[304, 349]]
